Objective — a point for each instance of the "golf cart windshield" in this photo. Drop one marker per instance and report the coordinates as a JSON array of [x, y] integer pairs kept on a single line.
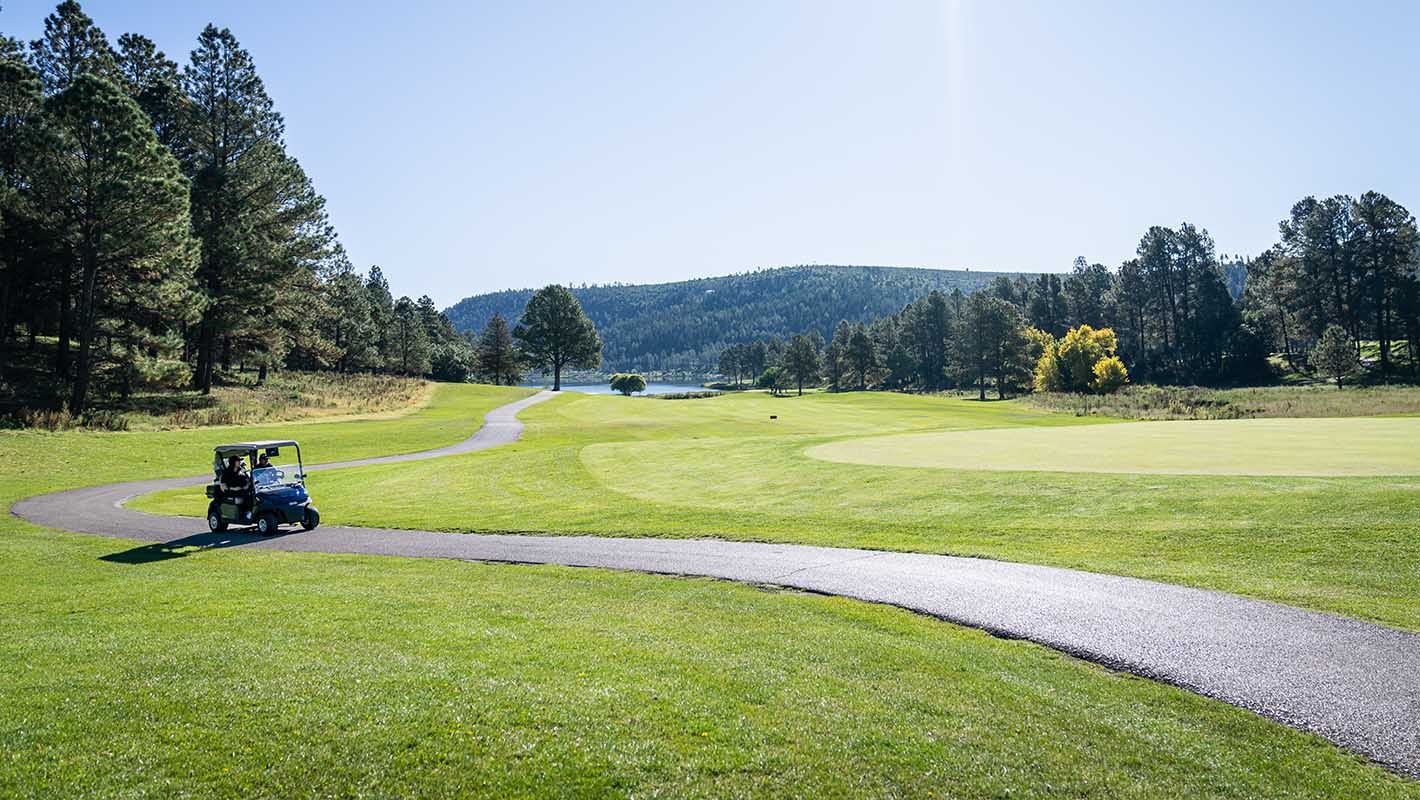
[[269, 477]]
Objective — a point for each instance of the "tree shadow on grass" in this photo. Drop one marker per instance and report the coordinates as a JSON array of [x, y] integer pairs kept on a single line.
[[186, 546]]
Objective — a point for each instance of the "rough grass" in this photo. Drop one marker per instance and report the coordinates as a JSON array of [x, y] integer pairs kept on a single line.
[[628, 467], [1193, 402], [284, 397]]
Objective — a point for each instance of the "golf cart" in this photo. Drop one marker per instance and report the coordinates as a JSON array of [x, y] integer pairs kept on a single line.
[[263, 495]]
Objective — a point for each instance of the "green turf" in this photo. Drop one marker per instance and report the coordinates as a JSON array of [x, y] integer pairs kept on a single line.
[[1299, 447], [722, 467], [125, 672], [133, 671]]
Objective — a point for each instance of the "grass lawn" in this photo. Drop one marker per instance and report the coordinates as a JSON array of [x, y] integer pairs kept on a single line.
[[721, 467], [232, 673]]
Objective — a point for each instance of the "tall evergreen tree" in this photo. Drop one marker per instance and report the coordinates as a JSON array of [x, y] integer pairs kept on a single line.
[[411, 337], [382, 318], [801, 361], [862, 355], [155, 83], [349, 327], [261, 225], [498, 359], [123, 201], [22, 150], [72, 45], [556, 333]]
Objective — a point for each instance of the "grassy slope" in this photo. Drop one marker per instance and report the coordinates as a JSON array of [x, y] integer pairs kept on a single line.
[[721, 467], [44, 461], [234, 673]]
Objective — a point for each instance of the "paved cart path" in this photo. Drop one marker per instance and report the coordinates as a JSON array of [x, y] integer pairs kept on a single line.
[[1354, 683]]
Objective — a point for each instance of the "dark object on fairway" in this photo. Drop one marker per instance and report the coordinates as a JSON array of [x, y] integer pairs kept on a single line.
[[268, 499], [774, 416]]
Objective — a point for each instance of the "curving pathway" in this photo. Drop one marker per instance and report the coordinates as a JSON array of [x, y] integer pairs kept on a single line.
[[1351, 682]]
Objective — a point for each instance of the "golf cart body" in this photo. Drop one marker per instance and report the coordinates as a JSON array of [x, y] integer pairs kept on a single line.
[[270, 495]]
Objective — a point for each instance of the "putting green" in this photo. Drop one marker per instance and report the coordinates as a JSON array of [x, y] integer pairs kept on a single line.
[[1301, 447]]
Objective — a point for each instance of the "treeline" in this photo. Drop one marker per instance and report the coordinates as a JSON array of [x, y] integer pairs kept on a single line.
[[1174, 314], [683, 326], [153, 225]]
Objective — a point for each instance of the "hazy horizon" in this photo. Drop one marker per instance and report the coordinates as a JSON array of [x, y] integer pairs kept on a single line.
[[468, 149]]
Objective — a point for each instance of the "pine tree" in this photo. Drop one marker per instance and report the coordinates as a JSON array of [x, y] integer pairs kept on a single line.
[[153, 80], [862, 355], [21, 153], [124, 204], [382, 319], [498, 360], [262, 226], [72, 45], [1334, 354], [411, 338], [350, 327], [556, 333], [801, 361]]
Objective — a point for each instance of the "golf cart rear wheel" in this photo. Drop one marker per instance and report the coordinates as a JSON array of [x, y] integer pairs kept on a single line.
[[266, 524], [215, 523], [311, 519]]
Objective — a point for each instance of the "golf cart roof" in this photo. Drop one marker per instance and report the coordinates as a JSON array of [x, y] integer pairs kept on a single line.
[[247, 447]]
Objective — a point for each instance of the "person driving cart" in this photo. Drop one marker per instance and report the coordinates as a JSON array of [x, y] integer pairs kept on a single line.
[[234, 477]]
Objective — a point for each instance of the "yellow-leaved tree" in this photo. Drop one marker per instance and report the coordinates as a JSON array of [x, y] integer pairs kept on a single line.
[[1082, 360]]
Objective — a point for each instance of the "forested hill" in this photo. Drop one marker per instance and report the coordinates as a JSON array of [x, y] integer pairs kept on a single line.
[[685, 325]]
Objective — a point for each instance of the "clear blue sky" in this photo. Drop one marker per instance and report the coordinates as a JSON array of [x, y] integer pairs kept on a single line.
[[471, 146]]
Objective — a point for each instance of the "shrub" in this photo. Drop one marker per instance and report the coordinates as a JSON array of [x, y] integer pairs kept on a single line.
[[628, 383], [1072, 363], [1109, 375]]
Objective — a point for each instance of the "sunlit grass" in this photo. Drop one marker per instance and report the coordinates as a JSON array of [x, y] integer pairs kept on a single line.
[[130, 671], [721, 467], [230, 673]]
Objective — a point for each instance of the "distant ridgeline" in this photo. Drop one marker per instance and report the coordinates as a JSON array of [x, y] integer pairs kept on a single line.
[[684, 325]]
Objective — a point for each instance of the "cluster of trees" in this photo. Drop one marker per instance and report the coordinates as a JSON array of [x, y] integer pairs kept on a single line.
[[153, 223], [554, 333], [1342, 261], [1175, 313], [683, 326]]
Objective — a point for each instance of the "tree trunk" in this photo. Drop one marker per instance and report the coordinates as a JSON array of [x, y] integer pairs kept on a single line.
[[556, 377], [4, 324], [61, 354], [206, 354], [261, 375], [80, 395]]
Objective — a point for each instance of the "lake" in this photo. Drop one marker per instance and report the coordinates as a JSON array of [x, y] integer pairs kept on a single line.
[[651, 388]]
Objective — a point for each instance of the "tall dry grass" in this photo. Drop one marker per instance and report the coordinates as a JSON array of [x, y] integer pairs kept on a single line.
[[1193, 402]]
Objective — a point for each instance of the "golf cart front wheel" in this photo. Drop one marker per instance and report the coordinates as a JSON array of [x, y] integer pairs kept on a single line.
[[311, 519], [266, 525], [215, 523]]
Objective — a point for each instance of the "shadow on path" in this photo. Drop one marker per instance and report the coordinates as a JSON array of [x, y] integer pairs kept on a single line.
[[186, 546]]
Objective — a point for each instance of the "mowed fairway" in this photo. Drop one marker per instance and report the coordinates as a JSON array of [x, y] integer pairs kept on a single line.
[[1300, 447], [723, 468]]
